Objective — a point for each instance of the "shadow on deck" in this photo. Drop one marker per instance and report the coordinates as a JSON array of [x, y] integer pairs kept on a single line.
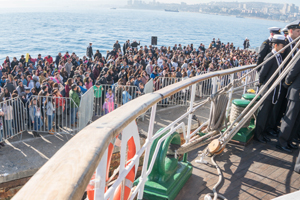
[[257, 171]]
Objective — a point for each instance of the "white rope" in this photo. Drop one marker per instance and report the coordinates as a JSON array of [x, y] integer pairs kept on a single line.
[[215, 193]]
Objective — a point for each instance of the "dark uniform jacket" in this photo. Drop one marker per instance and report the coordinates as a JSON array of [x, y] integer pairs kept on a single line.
[[267, 71], [287, 51], [264, 50], [293, 80], [89, 52]]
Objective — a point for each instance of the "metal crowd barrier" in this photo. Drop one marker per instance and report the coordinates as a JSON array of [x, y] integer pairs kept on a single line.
[[85, 111], [114, 96], [12, 117], [204, 88], [52, 114]]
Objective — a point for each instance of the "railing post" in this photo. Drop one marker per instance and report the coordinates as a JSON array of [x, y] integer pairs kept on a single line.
[[230, 94], [143, 177], [245, 85], [214, 82], [100, 177], [188, 132]]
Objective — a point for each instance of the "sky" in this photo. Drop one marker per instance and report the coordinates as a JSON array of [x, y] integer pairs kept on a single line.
[[73, 3]]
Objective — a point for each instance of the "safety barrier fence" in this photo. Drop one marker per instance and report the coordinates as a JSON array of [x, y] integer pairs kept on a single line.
[[91, 147], [204, 88], [51, 114], [46, 114], [114, 96], [12, 117]]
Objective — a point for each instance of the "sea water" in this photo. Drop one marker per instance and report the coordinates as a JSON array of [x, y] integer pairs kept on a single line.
[[51, 32]]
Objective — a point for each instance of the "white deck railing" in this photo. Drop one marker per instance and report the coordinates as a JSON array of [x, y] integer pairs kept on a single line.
[[67, 174]]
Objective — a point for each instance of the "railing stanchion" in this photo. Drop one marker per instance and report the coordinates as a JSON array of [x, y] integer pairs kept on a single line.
[[100, 179], [143, 177], [245, 85], [188, 132], [230, 95]]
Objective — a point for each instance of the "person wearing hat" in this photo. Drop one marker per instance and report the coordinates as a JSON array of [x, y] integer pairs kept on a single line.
[[74, 104], [281, 106], [285, 31], [293, 33], [266, 72], [266, 46], [89, 51]]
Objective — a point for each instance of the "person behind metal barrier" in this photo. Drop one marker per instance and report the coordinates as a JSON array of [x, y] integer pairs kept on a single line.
[[59, 108], [35, 115], [50, 113], [280, 108], [2, 136], [125, 94], [97, 101], [75, 101], [266, 72]]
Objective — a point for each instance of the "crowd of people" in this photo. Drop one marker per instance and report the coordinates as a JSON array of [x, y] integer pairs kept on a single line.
[[130, 64]]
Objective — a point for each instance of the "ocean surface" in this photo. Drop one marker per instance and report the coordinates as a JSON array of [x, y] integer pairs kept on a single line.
[[51, 32]]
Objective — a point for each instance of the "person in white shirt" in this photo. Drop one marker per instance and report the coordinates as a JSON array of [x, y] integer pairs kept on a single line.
[[174, 63], [149, 68], [160, 60], [185, 65]]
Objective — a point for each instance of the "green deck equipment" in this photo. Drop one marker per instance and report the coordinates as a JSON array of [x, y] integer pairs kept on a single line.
[[168, 175], [247, 131], [249, 96]]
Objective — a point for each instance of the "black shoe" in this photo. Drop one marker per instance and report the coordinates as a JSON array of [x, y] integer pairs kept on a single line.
[[267, 139], [1, 144], [273, 133], [283, 148], [297, 140], [261, 140], [292, 146]]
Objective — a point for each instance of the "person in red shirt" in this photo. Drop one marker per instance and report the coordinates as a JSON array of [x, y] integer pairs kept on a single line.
[[66, 56], [49, 59]]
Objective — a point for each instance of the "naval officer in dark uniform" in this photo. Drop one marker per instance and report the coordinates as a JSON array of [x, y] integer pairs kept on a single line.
[[291, 121], [280, 108], [266, 72], [266, 46], [285, 31]]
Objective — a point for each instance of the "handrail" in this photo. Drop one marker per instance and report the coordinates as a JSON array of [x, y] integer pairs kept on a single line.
[[67, 174]]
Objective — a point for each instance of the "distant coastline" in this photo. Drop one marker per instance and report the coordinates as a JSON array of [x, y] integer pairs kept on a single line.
[[242, 16], [208, 13]]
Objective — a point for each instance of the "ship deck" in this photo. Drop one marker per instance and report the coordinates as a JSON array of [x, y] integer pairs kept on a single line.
[[256, 171]]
